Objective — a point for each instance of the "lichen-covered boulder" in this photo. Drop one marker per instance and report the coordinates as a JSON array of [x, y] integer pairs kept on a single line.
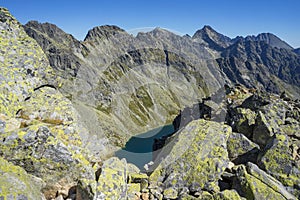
[[273, 183], [41, 151], [268, 121], [241, 149], [243, 120], [277, 159], [112, 182], [196, 155], [16, 183], [170, 193], [133, 191], [253, 183]]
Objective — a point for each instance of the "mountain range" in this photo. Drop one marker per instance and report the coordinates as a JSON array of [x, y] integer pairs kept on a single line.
[[167, 72]]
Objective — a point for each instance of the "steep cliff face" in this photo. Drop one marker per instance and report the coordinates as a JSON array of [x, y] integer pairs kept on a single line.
[[65, 52]]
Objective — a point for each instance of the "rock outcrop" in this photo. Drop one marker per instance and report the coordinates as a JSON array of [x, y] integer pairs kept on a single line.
[[261, 157], [40, 130]]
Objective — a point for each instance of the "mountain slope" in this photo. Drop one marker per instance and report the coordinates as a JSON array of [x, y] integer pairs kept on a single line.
[[133, 84]]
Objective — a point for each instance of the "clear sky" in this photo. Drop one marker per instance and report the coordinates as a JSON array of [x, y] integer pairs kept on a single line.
[[229, 17]]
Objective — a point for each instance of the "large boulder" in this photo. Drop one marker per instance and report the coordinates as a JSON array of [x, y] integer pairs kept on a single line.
[[278, 160], [243, 120], [16, 183], [227, 195], [253, 183], [268, 121], [120, 180], [241, 149], [194, 158]]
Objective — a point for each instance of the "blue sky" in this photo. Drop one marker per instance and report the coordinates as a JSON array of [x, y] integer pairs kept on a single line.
[[229, 17]]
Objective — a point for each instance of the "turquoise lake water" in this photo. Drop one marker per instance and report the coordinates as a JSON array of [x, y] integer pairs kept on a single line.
[[138, 149]]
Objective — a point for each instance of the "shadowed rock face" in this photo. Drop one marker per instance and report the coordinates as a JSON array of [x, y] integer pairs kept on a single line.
[[257, 64]]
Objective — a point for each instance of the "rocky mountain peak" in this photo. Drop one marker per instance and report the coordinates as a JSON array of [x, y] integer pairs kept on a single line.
[[160, 30], [47, 33], [51, 29], [208, 36], [208, 28], [157, 32], [270, 39], [105, 31]]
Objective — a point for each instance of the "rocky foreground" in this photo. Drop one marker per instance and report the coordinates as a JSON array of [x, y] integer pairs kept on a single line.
[[243, 145]]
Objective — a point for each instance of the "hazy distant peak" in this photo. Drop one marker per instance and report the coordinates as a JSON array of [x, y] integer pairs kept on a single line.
[[104, 31], [159, 30]]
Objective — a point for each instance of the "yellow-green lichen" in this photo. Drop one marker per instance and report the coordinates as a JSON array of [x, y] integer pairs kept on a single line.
[[15, 182]]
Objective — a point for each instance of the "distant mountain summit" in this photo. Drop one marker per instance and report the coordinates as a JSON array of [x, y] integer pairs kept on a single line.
[[208, 36], [270, 39], [101, 32]]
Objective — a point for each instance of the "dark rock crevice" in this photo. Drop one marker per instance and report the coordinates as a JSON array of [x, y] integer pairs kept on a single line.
[[45, 85]]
